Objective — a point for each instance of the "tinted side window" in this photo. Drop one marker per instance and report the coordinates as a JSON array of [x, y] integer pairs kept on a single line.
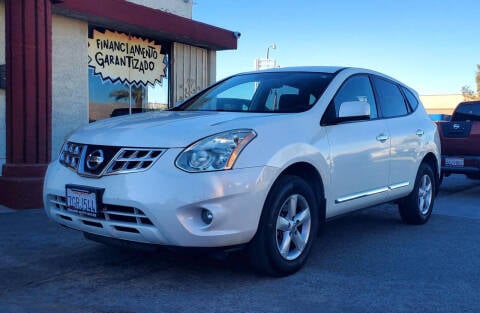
[[356, 88], [467, 111], [390, 98], [412, 100]]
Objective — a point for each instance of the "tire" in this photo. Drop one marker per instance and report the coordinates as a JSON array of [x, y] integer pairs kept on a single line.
[[287, 229], [417, 207]]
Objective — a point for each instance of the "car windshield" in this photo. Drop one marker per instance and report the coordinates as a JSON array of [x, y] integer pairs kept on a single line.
[[467, 111], [283, 92]]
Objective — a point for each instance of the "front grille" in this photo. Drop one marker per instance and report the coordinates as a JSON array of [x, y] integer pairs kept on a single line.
[[126, 214], [59, 202], [110, 213], [96, 161], [133, 160]]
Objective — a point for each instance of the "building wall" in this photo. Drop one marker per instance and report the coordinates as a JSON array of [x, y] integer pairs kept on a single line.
[[69, 78], [178, 7], [212, 66], [193, 70], [441, 104], [3, 137]]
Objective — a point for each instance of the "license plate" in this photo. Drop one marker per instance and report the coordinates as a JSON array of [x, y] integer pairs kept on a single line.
[[83, 200], [454, 162]]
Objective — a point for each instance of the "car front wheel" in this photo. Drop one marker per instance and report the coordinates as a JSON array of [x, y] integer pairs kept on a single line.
[[417, 207], [287, 228]]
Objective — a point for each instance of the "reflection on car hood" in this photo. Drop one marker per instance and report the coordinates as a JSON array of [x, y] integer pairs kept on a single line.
[[163, 129]]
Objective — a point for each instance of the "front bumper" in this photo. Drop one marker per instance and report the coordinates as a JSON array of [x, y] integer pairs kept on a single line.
[[163, 204]]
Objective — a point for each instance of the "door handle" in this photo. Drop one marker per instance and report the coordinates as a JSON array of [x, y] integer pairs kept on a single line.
[[419, 132], [382, 138]]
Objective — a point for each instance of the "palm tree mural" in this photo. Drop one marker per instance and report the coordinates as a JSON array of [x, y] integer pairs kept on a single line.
[[138, 93]]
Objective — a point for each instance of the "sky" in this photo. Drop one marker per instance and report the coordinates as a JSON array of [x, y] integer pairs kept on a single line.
[[432, 46]]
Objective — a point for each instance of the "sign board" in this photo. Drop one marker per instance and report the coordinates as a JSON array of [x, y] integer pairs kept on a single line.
[[130, 59], [263, 64]]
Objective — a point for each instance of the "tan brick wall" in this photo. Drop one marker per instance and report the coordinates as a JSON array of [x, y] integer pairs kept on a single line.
[[441, 104]]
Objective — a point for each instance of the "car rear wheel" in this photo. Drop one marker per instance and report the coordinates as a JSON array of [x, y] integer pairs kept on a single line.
[[287, 228], [417, 207]]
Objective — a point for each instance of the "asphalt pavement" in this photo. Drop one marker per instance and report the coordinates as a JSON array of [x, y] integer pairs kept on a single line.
[[365, 262]]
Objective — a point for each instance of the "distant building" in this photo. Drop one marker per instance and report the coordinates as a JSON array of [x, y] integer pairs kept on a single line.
[[441, 104]]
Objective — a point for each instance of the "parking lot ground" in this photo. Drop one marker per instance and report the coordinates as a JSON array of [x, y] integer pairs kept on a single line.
[[365, 262]]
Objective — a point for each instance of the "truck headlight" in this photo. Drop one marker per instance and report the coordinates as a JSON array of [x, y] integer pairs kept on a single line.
[[215, 153]]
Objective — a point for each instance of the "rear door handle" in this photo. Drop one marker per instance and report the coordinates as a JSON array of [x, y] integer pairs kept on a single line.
[[419, 132], [382, 138]]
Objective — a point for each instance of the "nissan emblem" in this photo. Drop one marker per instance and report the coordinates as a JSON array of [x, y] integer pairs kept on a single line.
[[94, 160]]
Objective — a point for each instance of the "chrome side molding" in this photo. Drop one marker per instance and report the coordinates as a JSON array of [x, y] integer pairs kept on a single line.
[[371, 192]]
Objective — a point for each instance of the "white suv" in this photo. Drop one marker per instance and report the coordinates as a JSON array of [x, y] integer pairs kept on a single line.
[[259, 160]]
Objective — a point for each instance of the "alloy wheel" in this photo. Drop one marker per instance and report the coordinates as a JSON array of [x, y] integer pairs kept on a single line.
[[425, 194], [293, 227]]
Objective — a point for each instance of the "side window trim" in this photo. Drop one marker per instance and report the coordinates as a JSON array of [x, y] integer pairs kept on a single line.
[[375, 95], [405, 99], [410, 106]]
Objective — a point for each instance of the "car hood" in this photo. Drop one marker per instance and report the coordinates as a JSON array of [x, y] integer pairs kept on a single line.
[[166, 129]]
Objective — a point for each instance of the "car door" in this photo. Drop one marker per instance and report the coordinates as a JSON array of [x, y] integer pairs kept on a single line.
[[406, 131], [359, 151]]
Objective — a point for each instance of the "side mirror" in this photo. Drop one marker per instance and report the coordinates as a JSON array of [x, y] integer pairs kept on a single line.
[[354, 111]]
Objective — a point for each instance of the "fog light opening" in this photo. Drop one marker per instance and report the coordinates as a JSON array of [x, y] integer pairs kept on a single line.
[[207, 216]]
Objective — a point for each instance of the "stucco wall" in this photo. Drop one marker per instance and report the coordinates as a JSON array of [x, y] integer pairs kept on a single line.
[[69, 78], [2, 91], [177, 7]]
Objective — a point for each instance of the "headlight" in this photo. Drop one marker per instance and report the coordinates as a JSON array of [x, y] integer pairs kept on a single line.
[[215, 153], [70, 154]]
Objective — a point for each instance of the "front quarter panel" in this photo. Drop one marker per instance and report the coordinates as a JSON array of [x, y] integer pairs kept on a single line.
[[296, 138]]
